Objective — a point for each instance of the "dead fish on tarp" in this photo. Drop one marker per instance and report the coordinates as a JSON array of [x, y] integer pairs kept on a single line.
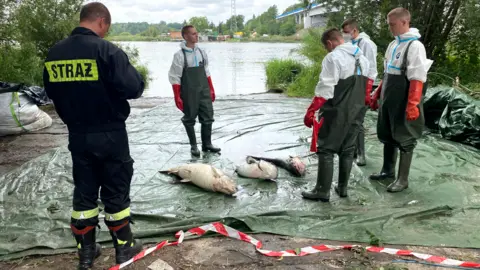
[[257, 169], [204, 176], [293, 165]]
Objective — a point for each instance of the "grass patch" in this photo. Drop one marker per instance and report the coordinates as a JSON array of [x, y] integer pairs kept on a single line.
[[281, 72], [305, 83]]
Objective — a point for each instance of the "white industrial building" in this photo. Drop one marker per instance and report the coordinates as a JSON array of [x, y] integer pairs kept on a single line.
[[315, 15]]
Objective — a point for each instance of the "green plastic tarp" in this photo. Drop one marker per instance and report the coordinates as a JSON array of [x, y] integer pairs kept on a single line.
[[454, 114], [440, 207]]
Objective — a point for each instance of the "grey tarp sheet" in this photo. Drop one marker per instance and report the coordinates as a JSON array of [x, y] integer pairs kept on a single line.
[[441, 206]]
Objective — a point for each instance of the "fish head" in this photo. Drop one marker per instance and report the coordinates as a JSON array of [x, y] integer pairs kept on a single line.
[[251, 160], [298, 164], [225, 185], [251, 170]]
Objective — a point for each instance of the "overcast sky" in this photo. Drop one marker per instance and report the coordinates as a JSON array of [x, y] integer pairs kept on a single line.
[[154, 11]]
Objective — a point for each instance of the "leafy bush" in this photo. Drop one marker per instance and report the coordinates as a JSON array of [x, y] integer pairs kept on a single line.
[[281, 72], [304, 84], [21, 64], [134, 57], [311, 46]]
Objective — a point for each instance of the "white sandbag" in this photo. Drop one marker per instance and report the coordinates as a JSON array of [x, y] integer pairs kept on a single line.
[[18, 114]]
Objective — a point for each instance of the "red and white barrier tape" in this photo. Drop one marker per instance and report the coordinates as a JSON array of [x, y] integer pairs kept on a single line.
[[232, 233]]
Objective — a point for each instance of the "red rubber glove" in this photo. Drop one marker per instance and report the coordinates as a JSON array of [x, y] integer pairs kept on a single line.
[[316, 128], [414, 97], [376, 96], [212, 91], [316, 104], [178, 99], [369, 90]]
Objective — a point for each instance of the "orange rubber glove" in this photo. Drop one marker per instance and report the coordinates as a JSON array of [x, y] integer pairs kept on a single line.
[[212, 91], [376, 96], [316, 104], [414, 97], [369, 90], [178, 99]]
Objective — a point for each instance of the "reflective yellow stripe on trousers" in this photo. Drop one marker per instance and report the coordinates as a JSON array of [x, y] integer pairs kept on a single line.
[[85, 214], [118, 216]]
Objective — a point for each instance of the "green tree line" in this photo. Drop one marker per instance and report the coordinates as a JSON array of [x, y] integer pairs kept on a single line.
[[29, 28], [265, 23]]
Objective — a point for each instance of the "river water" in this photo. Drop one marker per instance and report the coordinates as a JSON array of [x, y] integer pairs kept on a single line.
[[236, 68]]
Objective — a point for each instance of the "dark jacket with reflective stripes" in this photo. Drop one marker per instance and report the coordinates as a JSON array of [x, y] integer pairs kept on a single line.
[[89, 81]]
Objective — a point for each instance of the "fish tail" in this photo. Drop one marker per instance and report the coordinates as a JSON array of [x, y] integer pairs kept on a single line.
[[169, 171]]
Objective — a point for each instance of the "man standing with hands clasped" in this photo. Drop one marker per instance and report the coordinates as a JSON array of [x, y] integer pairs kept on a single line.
[[340, 97], [351, 33], [193, 89], [400, 117]]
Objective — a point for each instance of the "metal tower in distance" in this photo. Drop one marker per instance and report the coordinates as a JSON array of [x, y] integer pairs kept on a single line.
[[233, 22]]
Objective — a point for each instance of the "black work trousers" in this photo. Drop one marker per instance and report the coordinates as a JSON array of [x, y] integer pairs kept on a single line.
[[101, 161]]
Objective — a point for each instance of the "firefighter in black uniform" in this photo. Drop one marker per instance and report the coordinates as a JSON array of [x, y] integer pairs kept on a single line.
[[89, 80]]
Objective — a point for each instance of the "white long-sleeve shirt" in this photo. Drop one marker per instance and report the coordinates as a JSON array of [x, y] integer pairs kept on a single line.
[[417, 62], [369, 49], [194, 57], [339, 64]]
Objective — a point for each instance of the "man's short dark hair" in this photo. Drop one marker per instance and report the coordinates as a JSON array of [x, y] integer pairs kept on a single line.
[[92, 11], [351, 22], [185, 29], [331, 34]]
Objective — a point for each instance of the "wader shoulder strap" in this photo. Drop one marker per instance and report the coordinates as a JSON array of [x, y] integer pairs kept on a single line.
[[403, 68], [358, 66], [358, 43], [184, 59], [203, 57]]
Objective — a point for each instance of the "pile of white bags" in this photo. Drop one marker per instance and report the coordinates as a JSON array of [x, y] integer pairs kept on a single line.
[[20, 114]]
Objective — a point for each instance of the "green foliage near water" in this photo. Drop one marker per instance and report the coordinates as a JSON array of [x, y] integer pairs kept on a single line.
[[30, 28], [302, 84], [311, 46], [134, 56], [282, 72]]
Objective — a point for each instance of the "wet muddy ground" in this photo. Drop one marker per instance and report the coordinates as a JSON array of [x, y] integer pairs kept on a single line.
[[213, 252]]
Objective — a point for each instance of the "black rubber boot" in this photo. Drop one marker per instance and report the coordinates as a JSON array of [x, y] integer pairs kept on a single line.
[[88, 250], [125, 246], [321, 191], [344, 169], [193, 140], [389, 163], [360, 149], [403, 171], [207, 139]]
